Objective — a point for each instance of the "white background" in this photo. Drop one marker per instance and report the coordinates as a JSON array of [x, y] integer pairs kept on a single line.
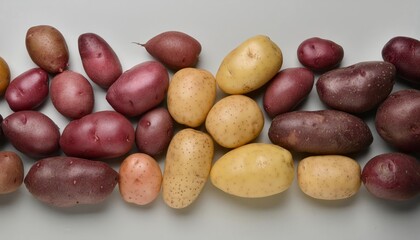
[[360, 27]]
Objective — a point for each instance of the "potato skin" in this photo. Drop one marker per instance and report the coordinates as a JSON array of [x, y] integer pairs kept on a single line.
[[357, 88], [11, 172], [397, 120], [69, 181], [99, 60], [287, 89], [319, 54], [320, 132], [28, 90], [392, 176], [404, 53], [72, 94], [32, 133], [47, 48], [4, 76], [139, 89], [99, 135]]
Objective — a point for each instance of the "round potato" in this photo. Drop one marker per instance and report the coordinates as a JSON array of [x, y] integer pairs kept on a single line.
[[11, 172], [191, 94], [4, 76], [234, 121]]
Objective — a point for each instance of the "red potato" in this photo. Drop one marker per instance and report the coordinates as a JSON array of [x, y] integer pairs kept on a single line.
[[404, 53], [139, 89], [99, 135], [32, 133], [28, 90], [286, 90], [320, 55], [392, 176], [69, 181], [154, 131], [11, 172], [72, 94], [1, 130], [99, 60]]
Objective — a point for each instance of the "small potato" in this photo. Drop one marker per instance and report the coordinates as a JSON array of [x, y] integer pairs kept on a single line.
[[28, 90], [154, 131], [187, 167], [99, 60], [319, 54], [47, 48], [139, 89], [4, 76], [392, 176], [320, 132], [11, 172], [234, 121], [99, 135], [32, 133], [72, 94], [191, 94], [249, 66], [358, 88], [140, 179], [287, 89], [254, 170], [329, 177], [69, 181]]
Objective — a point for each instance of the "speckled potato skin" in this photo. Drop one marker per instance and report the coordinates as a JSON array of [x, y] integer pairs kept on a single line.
[[191, 94], [329, 177], [4, 76], [11, 172], [249, 66], [254, 170], [234, 121], [187, 167]]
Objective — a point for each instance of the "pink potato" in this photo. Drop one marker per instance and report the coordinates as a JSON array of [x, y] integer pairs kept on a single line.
[[99, 60], [72, 94]]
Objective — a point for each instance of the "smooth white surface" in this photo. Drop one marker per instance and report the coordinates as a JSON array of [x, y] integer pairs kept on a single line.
[[360, 27]]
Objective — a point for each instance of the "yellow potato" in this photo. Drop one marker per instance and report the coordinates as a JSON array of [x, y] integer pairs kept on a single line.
[[4, 76], [329, 177], [234, 121], [191, 94], [249, 66], [187, 167], [254, 170]]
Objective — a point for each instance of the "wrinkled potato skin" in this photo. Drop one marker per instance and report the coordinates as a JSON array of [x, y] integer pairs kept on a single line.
[[47, 48], [320, 132], [4, 76], [11, 172], [69, 181], [329, 177]]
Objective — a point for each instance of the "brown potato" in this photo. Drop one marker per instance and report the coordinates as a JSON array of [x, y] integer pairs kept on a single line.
[[11, 172], [4, 76]]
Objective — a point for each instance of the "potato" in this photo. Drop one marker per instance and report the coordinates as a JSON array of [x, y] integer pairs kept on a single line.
[[254, 170], [174, 49], [234, 121], [11, 172], [320, 132], [4, 76], [357, 88], [99, 135], [191, 94], [187, 167], [32, 133], [329, 177], [28, 90], [249, 66], [397, 120], [140, 179], [69, 181], [404, 53], [319, 54], [154, 131], [99, 60], [287, 89], [2, 138], [47, 48], [72, 94], [139, 89], [392, 176]]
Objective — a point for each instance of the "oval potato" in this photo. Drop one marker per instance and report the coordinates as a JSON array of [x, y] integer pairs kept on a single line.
[[4, 76], [11, 172]]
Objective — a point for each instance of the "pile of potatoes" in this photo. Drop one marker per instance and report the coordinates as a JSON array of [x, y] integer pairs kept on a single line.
[[179, 117]]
